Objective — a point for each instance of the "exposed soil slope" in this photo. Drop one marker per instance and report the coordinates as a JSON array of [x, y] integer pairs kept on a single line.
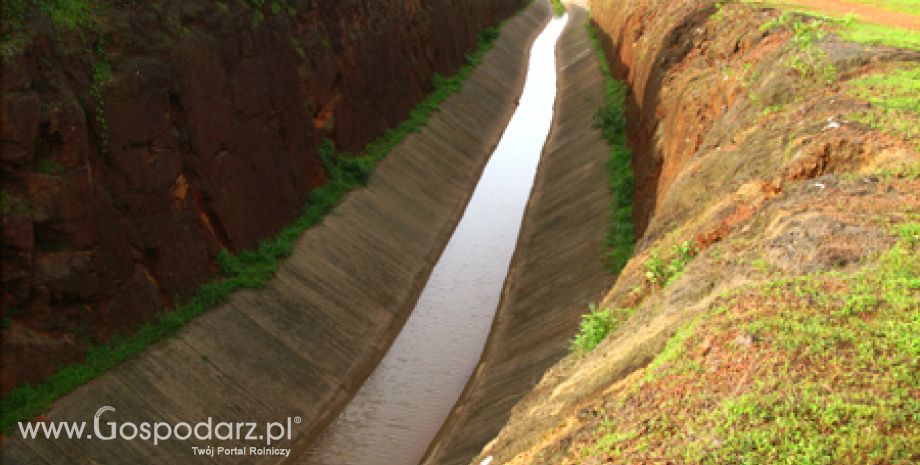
[[800, 219], [140, 138], [303, 345]]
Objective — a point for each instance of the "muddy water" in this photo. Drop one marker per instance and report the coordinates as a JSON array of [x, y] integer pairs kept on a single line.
[[399, 409]]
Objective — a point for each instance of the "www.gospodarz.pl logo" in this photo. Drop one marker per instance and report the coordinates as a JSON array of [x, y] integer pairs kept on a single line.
[[107, 429]]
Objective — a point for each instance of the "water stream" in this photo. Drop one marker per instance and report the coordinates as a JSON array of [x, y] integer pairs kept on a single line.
[[397, 412]]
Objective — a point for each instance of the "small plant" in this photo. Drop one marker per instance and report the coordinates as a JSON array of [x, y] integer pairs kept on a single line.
[[558, 8], [298, 47], [257, 15], [660, 273], [595, 326], [11, 204], [9, 314], [49, 166], [6, 202], [655, 269], [719, 14]]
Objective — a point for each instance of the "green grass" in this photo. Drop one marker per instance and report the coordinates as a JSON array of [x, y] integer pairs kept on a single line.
[[870, 330], [874, 34], [596, 325], [895, 103], [829, 375], [558, 7], [852, 29], [611, 120], [910, 7], [248, 268]]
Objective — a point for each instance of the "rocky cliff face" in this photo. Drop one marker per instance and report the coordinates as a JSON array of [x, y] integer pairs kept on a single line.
[[141, 138]]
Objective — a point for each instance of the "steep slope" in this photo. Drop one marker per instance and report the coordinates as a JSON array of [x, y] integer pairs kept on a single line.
[[141, 138], [776, 162]]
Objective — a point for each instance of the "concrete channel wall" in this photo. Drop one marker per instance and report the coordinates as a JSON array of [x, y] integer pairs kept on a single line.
[[302, 346], [557, 269]]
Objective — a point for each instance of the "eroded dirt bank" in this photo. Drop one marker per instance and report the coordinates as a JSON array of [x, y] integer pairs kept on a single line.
[[557, 267], [769, 205], [141, 138], [303, 345]]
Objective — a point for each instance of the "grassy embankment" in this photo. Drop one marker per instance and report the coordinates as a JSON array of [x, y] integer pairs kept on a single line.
[[819, 368], [248, 268], [894, 109]]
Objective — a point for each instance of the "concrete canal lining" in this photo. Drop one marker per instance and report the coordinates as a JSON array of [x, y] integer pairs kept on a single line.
[[302, 346], [400, 407], [557, 269]]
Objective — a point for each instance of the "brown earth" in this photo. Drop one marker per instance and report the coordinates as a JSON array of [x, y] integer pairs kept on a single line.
[[304, 344], [202, 138], [751, 161]]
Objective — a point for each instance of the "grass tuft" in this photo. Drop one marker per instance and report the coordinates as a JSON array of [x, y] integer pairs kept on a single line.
[[660, 273], [596, 325]]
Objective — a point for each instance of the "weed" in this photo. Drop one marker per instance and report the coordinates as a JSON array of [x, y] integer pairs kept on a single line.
[[298, 47], [49, 166], [257, 15], [558, 8], [596, 325], [611, 120], [11, 204], [6, 202], [661, 273]]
